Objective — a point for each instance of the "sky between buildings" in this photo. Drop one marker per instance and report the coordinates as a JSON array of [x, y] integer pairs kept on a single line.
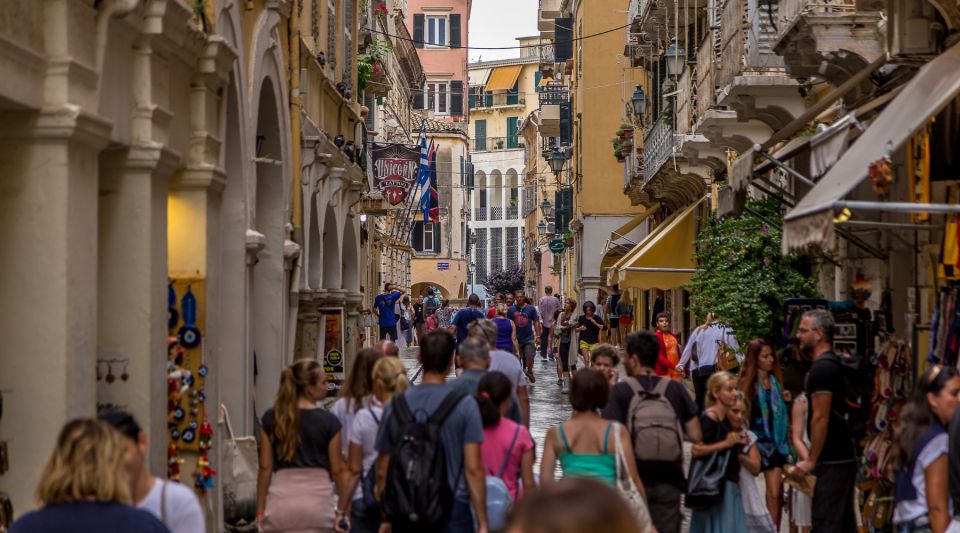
[[499, 23]]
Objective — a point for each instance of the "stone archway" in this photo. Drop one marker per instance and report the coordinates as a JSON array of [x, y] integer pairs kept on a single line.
[[350, 258], [332, 267]]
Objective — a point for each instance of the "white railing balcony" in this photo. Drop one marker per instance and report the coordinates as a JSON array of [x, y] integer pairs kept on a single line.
[[658, 145], [747, 37], [792, 10]]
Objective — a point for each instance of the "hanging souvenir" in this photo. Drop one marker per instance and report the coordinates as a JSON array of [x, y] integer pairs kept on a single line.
[[189, 335], [880, 173], [172, 315]]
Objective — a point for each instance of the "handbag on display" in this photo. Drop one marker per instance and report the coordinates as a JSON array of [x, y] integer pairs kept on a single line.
[[628, 489], [706, 480], [239, 471]]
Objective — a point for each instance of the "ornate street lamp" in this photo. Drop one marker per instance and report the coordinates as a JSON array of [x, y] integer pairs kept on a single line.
[[542, 228], [546, 208], [675, 58], [556, 161], [639, 102]]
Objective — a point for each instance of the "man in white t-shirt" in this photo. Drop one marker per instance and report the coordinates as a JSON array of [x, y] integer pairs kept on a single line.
[[507, 364], [173, 503]]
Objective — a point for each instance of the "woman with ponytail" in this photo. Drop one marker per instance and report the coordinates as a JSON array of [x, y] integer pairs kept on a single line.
[[388, 380], [300, 455], [356, 394], [507, 448]]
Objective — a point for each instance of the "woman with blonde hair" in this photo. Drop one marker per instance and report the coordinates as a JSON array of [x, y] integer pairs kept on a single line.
[[389, 379], [300, 455], [506, 331], [84, 486], [724, 513]]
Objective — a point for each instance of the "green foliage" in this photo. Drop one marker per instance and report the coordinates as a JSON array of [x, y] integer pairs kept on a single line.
[[743, 277], [509, 279], [369, 64]]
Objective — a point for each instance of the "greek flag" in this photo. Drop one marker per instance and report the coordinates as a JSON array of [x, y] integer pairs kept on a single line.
[[424, 158]]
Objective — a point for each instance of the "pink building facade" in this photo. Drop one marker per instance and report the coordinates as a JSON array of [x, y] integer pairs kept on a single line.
[[440, 33]]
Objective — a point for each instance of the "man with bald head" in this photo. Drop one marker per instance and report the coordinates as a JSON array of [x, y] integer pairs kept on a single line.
[[388, 348]]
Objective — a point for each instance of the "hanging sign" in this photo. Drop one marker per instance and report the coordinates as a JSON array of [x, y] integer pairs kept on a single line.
[[331, 348], [557, 246], [554, 93], [395, 169]]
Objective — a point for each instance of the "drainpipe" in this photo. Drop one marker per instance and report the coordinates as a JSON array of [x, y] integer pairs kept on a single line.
[[295, 126], [110, 9]]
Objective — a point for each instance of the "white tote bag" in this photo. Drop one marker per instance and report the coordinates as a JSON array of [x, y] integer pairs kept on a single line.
[[628, 489], [239, 476]]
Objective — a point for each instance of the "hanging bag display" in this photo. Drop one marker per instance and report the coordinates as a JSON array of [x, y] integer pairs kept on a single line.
[[240, 463], [628, 489]]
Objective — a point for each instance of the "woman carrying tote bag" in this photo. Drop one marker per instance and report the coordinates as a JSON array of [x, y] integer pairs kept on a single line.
[[713, 489]]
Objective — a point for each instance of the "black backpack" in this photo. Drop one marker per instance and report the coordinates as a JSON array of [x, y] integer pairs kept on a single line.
[[417, 496], [858, 383]]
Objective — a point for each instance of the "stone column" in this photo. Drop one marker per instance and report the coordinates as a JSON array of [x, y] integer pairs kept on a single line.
[[48, 282]]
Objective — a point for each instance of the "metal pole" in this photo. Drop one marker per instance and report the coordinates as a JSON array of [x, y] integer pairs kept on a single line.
[[787, 169], [662, 269], [897, 207], [890, 225]]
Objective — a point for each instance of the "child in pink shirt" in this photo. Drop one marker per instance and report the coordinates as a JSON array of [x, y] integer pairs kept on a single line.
[[431, 323], [507, 449]]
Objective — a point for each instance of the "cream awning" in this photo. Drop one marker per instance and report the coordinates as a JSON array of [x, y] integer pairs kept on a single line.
[[478, 77], [625, 229], [503, 78], [930, 90], [665, 258]]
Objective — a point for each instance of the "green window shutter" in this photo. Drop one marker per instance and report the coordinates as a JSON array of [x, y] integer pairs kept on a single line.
[[417, 243], [512, 141], [418, 21], [480, 134], [455, 31], [436, 237]]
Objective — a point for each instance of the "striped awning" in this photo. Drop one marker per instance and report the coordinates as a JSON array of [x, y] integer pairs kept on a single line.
[[503, 78]]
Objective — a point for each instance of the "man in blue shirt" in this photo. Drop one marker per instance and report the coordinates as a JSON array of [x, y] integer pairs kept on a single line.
[[527, 319], [383, 307], [461, 322]]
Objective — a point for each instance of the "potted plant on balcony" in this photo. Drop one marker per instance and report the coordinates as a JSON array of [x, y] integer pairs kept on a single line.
[[625, 133], [619, 147], [568, 238], [370, 65]]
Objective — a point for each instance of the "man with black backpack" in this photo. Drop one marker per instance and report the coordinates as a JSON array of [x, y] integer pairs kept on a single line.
[[658, 412], [832, 455], [430, 468]]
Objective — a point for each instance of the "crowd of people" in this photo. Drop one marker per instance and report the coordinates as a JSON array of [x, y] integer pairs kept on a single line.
[[454, 454]]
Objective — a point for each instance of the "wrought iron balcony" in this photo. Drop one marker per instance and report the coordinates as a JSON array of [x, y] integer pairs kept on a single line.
[[480, 214], [493, 100], [496, 213], [512, 213], [658, 146], [493, 144]]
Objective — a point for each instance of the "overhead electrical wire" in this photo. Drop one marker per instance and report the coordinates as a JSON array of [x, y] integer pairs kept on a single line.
[[517, 47]]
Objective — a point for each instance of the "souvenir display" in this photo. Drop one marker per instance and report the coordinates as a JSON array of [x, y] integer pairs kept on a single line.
[[189, 431]]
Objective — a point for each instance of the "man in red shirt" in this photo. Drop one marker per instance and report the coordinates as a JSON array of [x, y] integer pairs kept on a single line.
[[669, 349]]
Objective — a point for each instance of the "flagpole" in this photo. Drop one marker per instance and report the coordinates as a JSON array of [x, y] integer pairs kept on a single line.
[[396, 231]]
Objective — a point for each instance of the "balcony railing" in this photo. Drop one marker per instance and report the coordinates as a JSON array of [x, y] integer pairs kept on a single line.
[[705, 86], [658, 145], [512, 213], [479, 213], [496, 213], [791, 10], [746, 39], [493, 144], [491, 100]]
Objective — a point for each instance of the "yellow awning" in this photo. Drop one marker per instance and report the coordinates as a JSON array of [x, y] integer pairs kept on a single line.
[[544, 80], [665, 259], [625, 229], [503, 78]]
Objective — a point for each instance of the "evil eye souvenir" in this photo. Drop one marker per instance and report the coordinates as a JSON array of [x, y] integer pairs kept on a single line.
[[179, 414], [172, 315], [193, 425], [203, 396], [202, 371], [175, 434], [188, 435], [188, 380], [188, 335]]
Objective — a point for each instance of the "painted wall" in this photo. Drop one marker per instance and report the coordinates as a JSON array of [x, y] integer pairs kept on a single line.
[[444, 63], [496, 116]]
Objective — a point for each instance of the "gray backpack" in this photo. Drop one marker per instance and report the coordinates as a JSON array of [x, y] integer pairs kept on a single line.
[[654, 424]]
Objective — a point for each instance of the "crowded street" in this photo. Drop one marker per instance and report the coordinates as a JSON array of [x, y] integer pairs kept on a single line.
[[474, 266]]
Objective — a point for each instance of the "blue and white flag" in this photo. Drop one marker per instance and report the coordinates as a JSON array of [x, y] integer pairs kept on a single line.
[[424, 158]]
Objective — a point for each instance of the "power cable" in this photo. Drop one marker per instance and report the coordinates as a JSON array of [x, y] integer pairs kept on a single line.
[[517, 47]]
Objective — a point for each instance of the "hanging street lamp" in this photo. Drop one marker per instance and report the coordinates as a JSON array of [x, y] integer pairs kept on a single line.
[[546, 208], [639, 103], [556, 161], [675, 58]]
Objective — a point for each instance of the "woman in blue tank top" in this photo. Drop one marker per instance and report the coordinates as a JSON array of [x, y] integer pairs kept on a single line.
[[506, 331]]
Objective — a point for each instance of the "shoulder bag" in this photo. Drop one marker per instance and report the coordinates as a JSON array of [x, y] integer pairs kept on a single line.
[[628, 489], [706, 480]]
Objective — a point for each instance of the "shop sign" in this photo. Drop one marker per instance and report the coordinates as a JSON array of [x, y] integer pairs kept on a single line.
[[557, 246], [443, 266], [554, 93], [395, 169], [332, 335]]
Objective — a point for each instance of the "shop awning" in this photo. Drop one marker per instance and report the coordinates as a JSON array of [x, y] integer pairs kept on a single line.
[[930, 90], [619, 243], [478, 77], [503, 78], [665, 258], [625, 229]]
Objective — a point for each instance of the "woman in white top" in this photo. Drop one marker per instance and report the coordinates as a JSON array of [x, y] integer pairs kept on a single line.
[[801, 503], [389, 380], [754, 505], [921, 491], [357, 392]]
